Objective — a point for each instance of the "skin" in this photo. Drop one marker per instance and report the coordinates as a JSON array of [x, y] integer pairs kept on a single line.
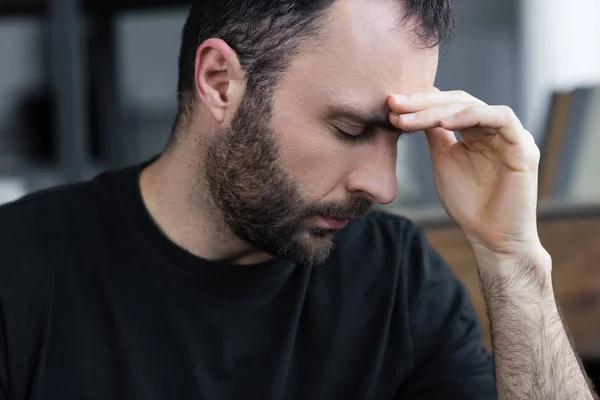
[[487, 182]]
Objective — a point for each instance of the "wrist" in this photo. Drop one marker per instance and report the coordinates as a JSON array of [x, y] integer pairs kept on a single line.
[[529, 269]]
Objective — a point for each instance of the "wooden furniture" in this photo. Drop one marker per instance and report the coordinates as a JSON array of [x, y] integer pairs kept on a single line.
[[572, 236]]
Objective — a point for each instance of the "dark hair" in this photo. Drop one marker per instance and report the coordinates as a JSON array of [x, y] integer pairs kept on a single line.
[[266, 34]]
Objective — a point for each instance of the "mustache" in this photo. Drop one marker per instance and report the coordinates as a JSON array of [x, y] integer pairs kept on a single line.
[[351, 208]]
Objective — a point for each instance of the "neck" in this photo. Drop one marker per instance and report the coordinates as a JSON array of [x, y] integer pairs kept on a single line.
[[175, 195]]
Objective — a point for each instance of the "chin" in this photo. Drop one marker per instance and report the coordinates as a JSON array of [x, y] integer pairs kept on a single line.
[[314, 248]]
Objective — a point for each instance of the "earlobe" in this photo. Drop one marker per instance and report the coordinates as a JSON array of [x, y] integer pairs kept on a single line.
[[217, 77]]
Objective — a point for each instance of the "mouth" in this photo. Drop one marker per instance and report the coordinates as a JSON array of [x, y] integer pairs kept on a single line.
[[334, 223]]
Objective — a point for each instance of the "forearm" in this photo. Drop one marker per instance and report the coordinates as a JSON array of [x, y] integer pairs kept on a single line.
[[533, 352]]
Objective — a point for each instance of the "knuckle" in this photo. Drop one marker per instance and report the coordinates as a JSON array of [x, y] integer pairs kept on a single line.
[[507, 112], [535, 155], [461, 94], [532, 148], [474, 107], [530, 137]]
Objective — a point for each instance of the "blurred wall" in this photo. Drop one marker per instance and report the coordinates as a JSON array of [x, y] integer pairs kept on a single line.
[[561, 51], [20, 71], [148, 50]]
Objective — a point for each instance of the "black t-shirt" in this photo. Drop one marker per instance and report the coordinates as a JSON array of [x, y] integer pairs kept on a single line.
[[96, 303]]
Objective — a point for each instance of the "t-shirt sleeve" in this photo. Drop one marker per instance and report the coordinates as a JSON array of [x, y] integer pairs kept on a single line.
[[448, 354]]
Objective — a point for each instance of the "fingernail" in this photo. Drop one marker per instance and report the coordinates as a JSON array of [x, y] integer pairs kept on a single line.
[[401, 98], [408, 117]]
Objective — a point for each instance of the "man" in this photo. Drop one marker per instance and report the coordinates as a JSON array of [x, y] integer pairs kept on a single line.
[[242, 262]]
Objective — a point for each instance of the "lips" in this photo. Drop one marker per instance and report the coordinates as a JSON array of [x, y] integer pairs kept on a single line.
[[334, 223]]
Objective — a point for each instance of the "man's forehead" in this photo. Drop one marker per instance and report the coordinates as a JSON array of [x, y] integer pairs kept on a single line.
[[357, 65], [366, 46]]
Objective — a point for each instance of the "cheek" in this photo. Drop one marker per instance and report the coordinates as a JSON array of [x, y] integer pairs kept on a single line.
[[312, 154]]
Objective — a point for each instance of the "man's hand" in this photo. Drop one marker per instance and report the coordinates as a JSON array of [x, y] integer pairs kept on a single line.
[[488, 184], [488, 181]]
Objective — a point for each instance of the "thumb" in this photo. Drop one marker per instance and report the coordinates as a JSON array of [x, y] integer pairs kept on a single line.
[[439, 140]]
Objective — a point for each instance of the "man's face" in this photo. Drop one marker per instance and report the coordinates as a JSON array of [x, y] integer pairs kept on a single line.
[[283, 174]]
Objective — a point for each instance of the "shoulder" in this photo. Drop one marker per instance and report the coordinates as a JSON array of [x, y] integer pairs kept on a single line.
[[29, 222], [41, 215], [391, 248], [444, 326], [399, 243], [40, 227]]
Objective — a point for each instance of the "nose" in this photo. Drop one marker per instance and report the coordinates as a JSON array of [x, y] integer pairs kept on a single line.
[[375, 175]]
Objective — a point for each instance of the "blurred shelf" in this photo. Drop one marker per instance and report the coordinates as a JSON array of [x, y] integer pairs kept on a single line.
[[548, 210], [20, 7]]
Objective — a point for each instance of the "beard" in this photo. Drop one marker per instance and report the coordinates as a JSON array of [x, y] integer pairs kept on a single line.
[[258, 201]]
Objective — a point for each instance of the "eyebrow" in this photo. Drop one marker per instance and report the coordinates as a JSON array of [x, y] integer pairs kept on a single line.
[[369, 119]]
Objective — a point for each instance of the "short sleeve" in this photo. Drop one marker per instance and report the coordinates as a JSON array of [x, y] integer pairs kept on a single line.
[[449, 358]]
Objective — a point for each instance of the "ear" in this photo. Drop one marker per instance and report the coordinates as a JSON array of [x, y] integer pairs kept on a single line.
[[219, 78]]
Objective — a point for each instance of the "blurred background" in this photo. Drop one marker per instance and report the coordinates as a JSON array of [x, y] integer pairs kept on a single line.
[[87, 86]]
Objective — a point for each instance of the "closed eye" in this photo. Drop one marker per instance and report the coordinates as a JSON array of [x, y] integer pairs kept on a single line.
[[366, 133], [354, 136], [348, 136]]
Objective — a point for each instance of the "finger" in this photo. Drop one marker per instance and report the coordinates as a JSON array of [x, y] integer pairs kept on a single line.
[[500, 118], [422, 100], [478, 138], [439, 140], [478, 134], [428, 118]]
